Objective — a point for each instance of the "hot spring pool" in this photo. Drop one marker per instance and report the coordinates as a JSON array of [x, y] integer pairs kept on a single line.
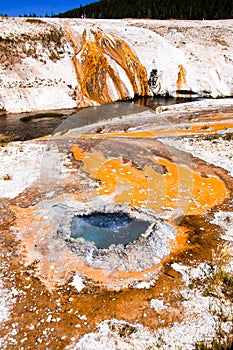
[[105, 229]]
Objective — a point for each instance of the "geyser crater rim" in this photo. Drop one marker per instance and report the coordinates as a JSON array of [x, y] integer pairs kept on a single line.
[[148, 250]]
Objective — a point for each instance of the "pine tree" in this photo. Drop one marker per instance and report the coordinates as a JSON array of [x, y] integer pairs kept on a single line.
[[160, 9]]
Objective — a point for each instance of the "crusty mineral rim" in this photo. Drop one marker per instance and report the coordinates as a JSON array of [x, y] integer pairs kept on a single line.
[[147, 250]]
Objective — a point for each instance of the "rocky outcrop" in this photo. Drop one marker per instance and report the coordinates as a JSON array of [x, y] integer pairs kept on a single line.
[[106, 68]]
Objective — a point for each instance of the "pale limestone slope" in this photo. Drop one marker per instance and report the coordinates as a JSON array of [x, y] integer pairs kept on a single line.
[[38, 69]]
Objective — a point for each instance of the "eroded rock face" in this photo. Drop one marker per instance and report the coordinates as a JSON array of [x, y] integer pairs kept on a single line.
[[107, 70]]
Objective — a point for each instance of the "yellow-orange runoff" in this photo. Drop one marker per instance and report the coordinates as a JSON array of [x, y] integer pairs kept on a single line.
[[92, 56], [180, 187]]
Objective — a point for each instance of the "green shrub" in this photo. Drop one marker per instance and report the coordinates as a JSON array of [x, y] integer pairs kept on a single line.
[[27, 118]]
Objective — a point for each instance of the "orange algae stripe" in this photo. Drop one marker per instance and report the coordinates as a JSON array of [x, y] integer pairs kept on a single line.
[[208, 128], [136, 134], [166, 130], [184, 129]]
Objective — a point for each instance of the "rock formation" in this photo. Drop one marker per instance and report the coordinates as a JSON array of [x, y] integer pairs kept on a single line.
[[55, 63]]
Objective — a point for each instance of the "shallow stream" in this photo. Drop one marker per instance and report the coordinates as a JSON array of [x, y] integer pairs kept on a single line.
[[17, 130]]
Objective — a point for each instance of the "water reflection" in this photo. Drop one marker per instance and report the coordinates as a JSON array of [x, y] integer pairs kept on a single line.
[[153, 102], [12, 127]]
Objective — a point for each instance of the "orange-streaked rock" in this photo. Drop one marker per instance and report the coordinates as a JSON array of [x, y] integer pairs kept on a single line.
[[96, 59], [181, 79]]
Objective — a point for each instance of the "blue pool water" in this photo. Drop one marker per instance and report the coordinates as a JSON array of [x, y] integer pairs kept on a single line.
[[105, 229]]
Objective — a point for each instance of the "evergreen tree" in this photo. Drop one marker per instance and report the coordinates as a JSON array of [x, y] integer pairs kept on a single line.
[[160, 9]]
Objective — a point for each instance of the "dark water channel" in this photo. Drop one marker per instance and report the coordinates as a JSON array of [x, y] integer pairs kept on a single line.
[[17, 130]]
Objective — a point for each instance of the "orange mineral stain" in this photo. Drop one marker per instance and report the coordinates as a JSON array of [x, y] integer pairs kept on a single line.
[[184, 129], [130, 183], [181, 79], [184, 189], [180, 187], [99, 81], [78, 152], [169, 189], [56, 263]]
